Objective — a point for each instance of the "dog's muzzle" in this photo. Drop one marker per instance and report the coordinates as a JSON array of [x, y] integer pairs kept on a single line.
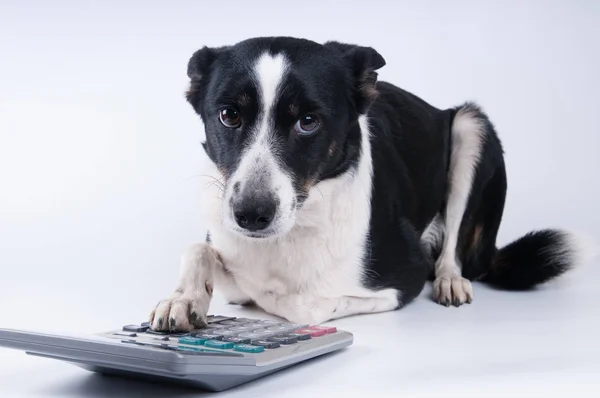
[[254, 211]]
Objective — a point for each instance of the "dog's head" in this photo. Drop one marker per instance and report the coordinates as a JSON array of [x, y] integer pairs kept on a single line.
[[280, 115]]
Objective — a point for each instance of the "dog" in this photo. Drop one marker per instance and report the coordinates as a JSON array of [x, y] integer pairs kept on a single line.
[[334, 194]]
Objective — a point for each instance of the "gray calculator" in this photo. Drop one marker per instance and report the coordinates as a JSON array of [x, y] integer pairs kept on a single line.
[[229, 351]]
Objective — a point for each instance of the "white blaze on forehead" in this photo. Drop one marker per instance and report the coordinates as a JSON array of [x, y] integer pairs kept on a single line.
[[269, 72], [259, 161]]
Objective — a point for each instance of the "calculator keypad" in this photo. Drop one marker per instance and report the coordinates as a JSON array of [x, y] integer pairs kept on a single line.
[[225, 334]]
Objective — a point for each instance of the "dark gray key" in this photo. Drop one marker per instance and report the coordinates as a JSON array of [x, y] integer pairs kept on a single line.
[[268, 322], [267, 344], [250, 335], [146, 324], [283, 340], [208, 336], [263, 333], [228, 333], [236, 340], [135, 328], [300, 336], [165, 338], [240, 329], [278, 329], [247, 320]]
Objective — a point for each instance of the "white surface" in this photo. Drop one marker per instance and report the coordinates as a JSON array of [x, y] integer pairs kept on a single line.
[[99, 185]]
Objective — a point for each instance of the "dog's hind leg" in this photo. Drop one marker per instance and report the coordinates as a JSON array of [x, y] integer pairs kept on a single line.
[[468, 136]]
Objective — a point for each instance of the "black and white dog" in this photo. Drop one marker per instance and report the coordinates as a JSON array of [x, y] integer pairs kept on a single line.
[[334, 194]]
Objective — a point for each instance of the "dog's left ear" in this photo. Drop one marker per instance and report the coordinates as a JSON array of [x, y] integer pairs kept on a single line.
[[199, 69], [200, 63], [363, 62]]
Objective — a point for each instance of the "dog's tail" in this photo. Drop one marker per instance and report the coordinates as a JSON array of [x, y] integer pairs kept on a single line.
[[537, 257]]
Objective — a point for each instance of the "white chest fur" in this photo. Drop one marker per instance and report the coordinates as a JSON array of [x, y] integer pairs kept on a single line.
[[321, 256]]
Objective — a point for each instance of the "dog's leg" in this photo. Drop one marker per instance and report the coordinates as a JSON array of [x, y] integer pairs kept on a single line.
[[187, 307], [308, 309], [467, 139]]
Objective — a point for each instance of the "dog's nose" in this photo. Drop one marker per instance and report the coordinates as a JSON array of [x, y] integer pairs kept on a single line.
[[255, 217]]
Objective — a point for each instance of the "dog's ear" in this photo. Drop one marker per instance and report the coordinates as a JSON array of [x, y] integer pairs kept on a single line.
[[198, 70], [363, 63], [201, 62]]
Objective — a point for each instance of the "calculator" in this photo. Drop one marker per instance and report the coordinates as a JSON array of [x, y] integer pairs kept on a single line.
[[228, 352]]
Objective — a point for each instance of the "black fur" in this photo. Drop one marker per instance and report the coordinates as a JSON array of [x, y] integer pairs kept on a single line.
[[535, 258]]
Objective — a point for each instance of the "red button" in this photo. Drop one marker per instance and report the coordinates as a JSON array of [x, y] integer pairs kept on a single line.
[[313, 333], [326, 329]]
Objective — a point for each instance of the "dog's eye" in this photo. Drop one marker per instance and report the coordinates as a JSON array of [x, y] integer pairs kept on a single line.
[[230, 118], [308, 124]]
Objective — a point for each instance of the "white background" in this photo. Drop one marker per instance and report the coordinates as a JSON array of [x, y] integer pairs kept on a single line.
[[99, 185]]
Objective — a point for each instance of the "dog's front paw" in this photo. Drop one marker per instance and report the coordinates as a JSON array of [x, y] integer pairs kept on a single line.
[[182, 312]]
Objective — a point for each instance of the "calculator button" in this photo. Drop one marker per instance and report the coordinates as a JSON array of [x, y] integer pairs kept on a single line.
[[264, 343], [283, 339], [252, 349], [236, 340], [295, 326], [208, 336], [145, 324], [246, 320], [239, 329], [300, 336], [264, 332], [224, 345], [228, 333], [277, 329], [311, 332], [165, 338], [191, 340], [135, 328], [268, 322], [326, 329], [250, 335]]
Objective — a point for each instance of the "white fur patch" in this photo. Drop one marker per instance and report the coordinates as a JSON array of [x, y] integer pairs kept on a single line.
[[313, 273]]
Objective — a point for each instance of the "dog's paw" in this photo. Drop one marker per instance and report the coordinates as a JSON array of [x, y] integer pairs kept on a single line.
[[454, 290], [182, 312]]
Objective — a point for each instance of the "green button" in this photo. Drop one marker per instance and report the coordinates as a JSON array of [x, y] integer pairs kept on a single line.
[[248, 348], [224, 345], [191, 340]]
